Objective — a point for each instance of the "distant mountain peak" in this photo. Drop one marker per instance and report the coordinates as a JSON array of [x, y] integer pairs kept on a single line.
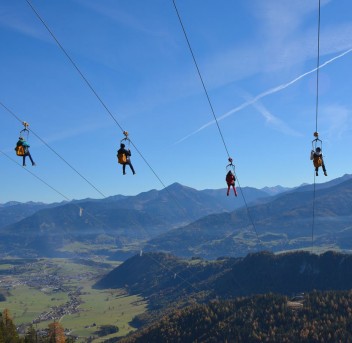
[[176, 185], [275, 190]]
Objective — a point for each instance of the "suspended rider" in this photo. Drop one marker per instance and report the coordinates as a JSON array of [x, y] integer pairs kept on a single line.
[[318, 161], [22, 149], [123, 157]]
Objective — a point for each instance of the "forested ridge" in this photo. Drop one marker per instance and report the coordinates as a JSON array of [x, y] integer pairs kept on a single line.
[[314, 317], [165, 279], [324, 317]]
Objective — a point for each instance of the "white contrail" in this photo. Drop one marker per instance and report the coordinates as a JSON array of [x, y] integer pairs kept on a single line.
[[275, 122], [264, 94]]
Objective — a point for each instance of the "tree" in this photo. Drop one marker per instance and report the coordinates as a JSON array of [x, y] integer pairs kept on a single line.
[[56, 333], [31, 335], [10, 334]]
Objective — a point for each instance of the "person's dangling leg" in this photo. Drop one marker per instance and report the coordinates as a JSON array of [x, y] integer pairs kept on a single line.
[[130, 164], [30, 157], [24, 160], [234, 190], [228, 189], [124, 169], [324, 169]]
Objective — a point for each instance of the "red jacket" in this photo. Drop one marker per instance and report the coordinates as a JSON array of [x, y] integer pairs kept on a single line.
[[230, 179]]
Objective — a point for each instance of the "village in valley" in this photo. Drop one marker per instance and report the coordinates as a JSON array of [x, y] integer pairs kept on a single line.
[[35, 275]]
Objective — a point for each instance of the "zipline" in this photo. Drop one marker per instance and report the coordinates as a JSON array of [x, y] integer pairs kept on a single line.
[[215, 118], [316, 134], [201, 78]]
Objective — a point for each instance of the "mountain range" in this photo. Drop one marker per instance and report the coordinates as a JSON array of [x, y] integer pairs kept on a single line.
[[183, 221], [92, 226], [283, 222]]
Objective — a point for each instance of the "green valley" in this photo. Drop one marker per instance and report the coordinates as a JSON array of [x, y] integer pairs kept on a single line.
[[42, 291]]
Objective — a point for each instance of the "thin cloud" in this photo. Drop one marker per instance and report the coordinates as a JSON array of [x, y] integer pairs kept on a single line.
[[270, 119], [22, 22], [275, 122], [263, 95]]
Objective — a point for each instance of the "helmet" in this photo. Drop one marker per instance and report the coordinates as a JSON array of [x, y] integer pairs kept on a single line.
[[122, 145], [317, 149], [20, 138]]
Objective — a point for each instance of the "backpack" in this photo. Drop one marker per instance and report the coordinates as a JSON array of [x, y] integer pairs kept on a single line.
[[121, 158], [20, 150], [317, 161]]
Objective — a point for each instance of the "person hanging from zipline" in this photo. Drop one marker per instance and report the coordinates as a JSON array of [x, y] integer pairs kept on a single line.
[[230, 177], [318, 161], [230, 180], [123, 157], [316, 154], [22, 149]]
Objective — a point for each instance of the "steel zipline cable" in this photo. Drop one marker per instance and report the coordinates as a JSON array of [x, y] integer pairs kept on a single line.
[[200, 77], [317, 74], [74, 64], [316, 119], [213, 113]]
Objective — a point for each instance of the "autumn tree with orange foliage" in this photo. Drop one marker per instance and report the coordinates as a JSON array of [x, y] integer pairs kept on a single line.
[[8, 328], [56, 333]]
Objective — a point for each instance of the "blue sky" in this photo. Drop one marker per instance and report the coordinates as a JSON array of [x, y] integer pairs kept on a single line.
[[257, 60]]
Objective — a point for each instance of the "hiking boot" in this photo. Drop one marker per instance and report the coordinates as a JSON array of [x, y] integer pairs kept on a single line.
[[325, 173], [316, 173]]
